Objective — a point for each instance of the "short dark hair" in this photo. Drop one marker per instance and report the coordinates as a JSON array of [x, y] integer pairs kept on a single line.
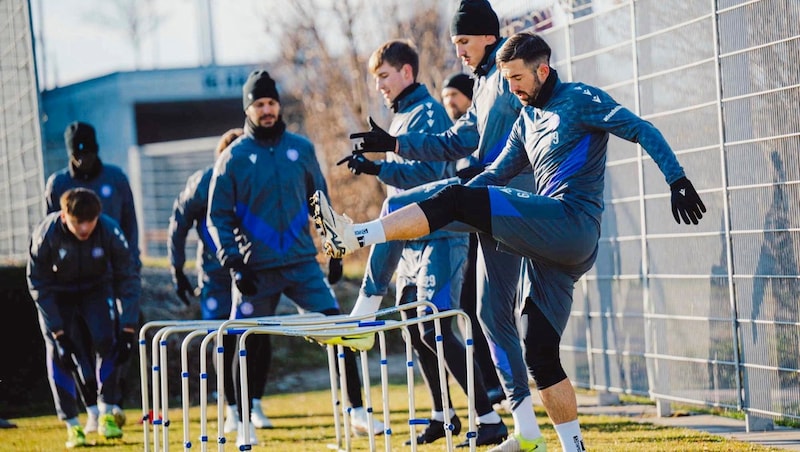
[[227, 138], [395, 53], [81, 203], [529, 47]]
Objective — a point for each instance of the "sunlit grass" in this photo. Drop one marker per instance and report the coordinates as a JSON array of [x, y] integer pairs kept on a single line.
[[304, 422]]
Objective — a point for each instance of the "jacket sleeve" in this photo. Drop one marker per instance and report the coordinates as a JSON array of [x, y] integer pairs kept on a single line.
[[458, 141], [221, 217], [412, 173], [185, 213], [126, 282], [50, 198], [41, 278], [511, 161], [127, 220], [608, 115]]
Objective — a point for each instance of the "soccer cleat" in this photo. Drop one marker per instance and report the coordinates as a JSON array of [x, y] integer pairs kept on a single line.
[[242, 439], [435, 430], [338, 238], [489, 434], [119, 415], [516, 443], [75, 437], [257, 417], [231, 419], [359, 423], [108, 427], [357, 342]]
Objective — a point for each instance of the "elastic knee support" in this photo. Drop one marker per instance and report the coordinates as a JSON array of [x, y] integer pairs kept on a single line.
[[542, 348]]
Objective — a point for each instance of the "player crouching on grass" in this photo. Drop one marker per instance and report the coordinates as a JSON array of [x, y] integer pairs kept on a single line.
[[79, 270]]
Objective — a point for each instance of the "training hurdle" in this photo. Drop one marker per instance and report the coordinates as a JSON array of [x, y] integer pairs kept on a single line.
[[317, 326], [353, 326], [159, 413]]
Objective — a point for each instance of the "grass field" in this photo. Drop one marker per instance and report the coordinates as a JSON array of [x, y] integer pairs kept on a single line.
[[303, 422]]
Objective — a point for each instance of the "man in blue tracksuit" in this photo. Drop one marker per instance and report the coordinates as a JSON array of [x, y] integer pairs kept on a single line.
[[189, 210], [479, 135], [80, 269], [109, 182], [430, 268], [562, 134], [258, 218]]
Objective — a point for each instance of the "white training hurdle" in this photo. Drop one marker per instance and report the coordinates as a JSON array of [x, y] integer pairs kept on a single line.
[[308, 326]]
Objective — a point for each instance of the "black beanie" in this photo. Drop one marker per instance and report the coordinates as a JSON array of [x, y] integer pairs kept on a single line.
[[461, 82], [80, 137], [259, 84], [475, 18]]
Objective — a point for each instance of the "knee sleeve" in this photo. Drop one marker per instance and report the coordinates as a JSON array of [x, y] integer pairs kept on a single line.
[[468, 205], [542, 349], [544, 364]]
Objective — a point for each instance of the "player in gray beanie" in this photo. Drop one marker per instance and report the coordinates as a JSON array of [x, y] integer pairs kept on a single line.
[[259, 84]]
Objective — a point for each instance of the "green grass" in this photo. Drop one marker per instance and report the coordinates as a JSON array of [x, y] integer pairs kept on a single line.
[[303, 422]]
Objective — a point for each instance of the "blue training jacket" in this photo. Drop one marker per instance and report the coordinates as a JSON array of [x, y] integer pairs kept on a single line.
[[258, 207]]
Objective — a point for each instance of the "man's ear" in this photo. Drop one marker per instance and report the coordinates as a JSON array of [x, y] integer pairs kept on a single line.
[[63, 215], [543, 71]]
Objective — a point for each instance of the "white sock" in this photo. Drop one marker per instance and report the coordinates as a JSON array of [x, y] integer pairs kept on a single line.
[[366, 304], [525, 423], [569, 433], [369, 233], [489, 418], [93, 411], [437, 416], [72, 422]]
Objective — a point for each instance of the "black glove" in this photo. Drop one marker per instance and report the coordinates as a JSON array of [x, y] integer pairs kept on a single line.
[[359, 164], [183, 288], [65, 353], [125, 344], [375, 140], [245, 279], [686, 203], [334, 270]]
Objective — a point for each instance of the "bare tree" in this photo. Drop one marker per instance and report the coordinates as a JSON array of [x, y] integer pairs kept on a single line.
[[325, 48]]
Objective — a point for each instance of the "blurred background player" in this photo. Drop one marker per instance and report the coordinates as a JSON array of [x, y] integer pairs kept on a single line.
[[214, 282], [109, 182]]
